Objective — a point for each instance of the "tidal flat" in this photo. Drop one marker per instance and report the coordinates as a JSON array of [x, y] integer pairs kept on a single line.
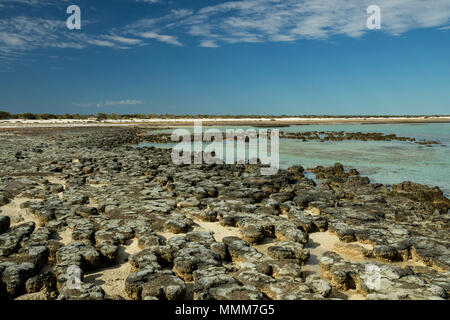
[[140, 227]]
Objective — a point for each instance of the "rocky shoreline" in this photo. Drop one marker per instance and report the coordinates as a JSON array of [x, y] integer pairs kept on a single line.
[[140, 227], [317, 136]]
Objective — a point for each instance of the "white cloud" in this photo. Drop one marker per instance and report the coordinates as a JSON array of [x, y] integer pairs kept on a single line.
[[118, 103], [237, 21], [124, 40], [20, 34], [67, 45], [100, 43], [28, 2], [109, 103], [11, 40], [163, 38], [148, 1], [33, 3], [208, 44], [291, 20]]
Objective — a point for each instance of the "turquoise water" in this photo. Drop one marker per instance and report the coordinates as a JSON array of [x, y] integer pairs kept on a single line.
[[386, 162]]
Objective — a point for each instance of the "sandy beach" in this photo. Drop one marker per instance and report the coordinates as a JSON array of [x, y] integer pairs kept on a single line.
[[18, 123]]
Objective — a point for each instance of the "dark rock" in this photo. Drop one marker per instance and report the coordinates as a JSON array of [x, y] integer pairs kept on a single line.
[[289, 250], [88, 291], [10, 241], [289, 231], [4, 224], [86, 212], [164, 286], [14, 276], [193, 257], [44, 282]]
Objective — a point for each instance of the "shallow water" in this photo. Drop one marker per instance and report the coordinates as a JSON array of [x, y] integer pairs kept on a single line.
[[386, 162]]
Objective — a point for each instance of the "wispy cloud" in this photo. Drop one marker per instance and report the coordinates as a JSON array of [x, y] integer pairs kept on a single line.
[[250, 21], [29, 2], [208, 44], [160, 37], [109, 103], [23, 33], [149, 1], [119, 103], [20, 34], [124, 40], [291, 20]]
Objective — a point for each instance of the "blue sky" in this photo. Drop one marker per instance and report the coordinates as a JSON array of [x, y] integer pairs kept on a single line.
[[225, 57]]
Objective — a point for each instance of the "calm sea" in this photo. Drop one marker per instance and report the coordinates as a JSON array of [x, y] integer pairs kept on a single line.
[[386, 162]]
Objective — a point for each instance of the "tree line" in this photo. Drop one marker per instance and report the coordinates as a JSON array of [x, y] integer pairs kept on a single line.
[[103, 116]]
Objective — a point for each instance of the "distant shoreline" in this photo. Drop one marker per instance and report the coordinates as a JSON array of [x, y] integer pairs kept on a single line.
[[266, 122]]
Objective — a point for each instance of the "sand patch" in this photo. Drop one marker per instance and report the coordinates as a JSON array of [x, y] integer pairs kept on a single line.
[[264, 245], [56, 180], [65, 237], [284, 215], [16, 214], [218, 230], [325, 240], [357, 251], [168, 235], [318, 244], [352, 294], [313, 211], [321, 242], [98, 185], [413, 263], [112, 279]]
